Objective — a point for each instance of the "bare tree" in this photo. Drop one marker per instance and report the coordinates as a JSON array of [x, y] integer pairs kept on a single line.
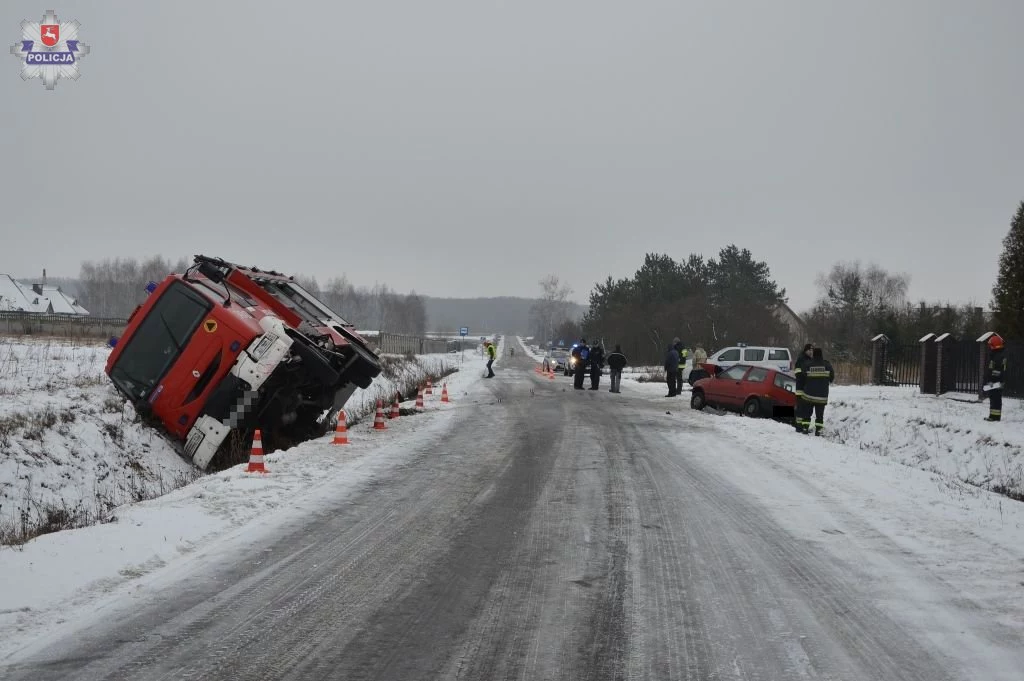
[[552, 309]]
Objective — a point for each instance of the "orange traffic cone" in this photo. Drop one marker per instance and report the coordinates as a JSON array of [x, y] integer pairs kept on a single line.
[[429, 390], [341, 431], [256, 455], [395, 413], [419, 400], [551, 374], [378, 419], [444, 394]]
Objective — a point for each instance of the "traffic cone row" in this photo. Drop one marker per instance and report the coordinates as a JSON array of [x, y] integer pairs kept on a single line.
[[256, 455], [429, 390], [444, 394]]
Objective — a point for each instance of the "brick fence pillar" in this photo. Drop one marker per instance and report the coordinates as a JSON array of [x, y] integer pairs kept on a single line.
[[945, 363], [879, 358], [926, 375]]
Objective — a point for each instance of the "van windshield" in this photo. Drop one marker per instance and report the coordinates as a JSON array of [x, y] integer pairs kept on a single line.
[[158, 340]]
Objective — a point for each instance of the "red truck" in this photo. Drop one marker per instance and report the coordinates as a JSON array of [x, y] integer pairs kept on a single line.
[[223, 348]]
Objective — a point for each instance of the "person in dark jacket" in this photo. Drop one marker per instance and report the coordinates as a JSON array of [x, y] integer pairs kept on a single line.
[[582, 353], [671, 367], [803, 407], [596, 364], [994, 376], [616, 362], [681, 367], [819, 377]]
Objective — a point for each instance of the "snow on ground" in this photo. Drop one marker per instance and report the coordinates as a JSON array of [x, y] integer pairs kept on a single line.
[[62, 577], [957, 549], [70, 445], [945, 435], [68, 440]]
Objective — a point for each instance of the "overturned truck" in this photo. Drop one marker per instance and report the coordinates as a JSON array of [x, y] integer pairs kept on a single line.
[[221, 350]]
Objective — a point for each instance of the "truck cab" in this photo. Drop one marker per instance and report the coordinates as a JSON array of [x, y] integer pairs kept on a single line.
[[222, 348]]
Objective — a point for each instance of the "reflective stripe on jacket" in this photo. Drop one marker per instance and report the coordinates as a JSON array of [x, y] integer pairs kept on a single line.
[[819, 376]]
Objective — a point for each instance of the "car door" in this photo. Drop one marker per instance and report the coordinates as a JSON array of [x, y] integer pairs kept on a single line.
[[730, 386]]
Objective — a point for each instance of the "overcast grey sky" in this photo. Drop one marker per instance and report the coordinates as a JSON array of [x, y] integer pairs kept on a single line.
[[456, 147]]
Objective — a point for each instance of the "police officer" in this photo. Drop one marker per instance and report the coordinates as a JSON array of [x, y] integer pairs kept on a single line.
[[803, 407], [819, 377], [582, 354], [671, 367], [994, 378], [596, 364]]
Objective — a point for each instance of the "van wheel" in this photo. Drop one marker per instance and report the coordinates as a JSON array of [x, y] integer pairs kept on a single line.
[[752, 408], [697, 400]]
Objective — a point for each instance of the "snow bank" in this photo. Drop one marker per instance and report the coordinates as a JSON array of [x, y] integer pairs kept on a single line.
[[58, 579], [72, 449], [69, 444], [945, 435]]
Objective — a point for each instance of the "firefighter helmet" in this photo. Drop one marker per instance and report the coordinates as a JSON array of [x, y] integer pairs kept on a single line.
[[995, 341]]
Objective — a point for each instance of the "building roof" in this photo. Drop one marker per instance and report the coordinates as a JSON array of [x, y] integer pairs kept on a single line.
[[16, 296]]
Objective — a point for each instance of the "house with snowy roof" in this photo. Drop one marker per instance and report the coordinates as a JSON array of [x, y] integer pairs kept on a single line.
[[16, 296]]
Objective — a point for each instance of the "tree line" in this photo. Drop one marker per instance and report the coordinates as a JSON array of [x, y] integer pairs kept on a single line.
[[114, 287], [732, 298]]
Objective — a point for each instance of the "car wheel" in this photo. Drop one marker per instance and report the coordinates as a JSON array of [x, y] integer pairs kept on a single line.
[[697, 400], [752, 408]]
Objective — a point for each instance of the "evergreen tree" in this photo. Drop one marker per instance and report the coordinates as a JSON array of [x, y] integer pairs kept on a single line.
[[1008, 293]]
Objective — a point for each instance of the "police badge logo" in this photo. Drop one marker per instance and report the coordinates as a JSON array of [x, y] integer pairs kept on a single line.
[[49, 50]]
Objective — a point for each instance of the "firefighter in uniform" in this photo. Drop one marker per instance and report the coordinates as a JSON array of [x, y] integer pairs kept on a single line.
[[803, 407], [819, 377], [994, 378]]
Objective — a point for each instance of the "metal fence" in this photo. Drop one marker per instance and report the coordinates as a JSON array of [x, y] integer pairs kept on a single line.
[[65, 325], [944, 364], [398, 344]]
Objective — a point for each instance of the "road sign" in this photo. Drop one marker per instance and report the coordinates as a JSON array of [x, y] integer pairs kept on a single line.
[[464, 331], [561, 343]]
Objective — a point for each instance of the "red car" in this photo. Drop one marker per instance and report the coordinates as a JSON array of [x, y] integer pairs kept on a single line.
[[752, 390]]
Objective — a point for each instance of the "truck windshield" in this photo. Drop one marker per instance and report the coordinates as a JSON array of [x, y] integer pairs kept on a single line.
[[158, 340]]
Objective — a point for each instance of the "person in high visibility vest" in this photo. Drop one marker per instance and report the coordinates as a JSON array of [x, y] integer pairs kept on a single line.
[[684, 354], [994, 376], [492, 354]]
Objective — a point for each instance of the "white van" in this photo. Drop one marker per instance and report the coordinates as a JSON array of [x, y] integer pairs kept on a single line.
[[758, 355]]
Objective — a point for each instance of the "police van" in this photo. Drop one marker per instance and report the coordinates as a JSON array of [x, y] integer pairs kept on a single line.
[[758, 355]]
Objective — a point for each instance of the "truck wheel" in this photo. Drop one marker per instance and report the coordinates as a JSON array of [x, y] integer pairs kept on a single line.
[[752, 408], [697, 400]]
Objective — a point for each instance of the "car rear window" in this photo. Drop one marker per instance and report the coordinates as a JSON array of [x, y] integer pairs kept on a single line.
[[753, 355], [778, 355], [785, 382], [757, 375], [735, 373], [732, 355]]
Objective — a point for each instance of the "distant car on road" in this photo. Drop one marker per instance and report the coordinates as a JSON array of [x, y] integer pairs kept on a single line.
[[556, 360], [753, 390]]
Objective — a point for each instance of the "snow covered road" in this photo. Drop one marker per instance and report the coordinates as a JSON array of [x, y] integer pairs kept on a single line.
[[542, 533]]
